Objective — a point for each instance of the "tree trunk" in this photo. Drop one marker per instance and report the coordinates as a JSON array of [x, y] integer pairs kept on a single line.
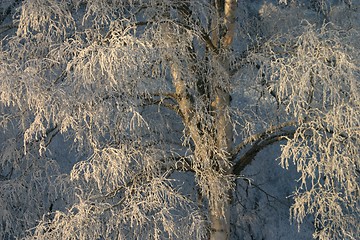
[[220, 210], [221, 134], [220, 220]]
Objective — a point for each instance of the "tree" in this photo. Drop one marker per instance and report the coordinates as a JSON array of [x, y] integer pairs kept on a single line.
[[149, 90]]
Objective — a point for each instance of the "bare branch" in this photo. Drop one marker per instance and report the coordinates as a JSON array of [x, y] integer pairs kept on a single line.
[[247, 158], [7, 27], [261, 135], [163, 103]]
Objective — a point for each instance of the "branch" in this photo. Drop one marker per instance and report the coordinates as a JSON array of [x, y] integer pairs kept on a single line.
[[3, 178], [161, 102], [8, 11], [202, 35], [259, 136], [251, 183], [205, 37], [61, 77], [7, 27], [229, 20], [261, 140], [186, 12], [50, 134], [247, 158], [182, 163]]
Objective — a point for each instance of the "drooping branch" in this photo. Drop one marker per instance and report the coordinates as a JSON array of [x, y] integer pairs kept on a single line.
[[264, 139], [268, 195], [257, 147], [199, 33], [45, 140], [50, 134], [181, 163], [260, 141], [261, 135]]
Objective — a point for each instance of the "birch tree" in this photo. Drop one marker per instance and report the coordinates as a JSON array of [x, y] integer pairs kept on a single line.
[[148, 91]]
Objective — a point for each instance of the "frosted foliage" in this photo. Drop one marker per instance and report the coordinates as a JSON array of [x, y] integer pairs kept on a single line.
[[318, 82], [105, 104], [85, 71], [28, 185]]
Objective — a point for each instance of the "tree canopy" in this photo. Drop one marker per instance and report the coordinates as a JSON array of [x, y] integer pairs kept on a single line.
[[130, 119]]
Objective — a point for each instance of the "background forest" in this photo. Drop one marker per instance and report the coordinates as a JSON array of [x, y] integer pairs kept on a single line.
[[171, 119]]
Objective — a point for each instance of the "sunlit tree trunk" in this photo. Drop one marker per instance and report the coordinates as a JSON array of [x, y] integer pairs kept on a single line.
[[220, 210], [213, 147]]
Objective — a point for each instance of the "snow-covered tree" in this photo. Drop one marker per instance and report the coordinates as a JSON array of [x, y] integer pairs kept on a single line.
[[128, 119]]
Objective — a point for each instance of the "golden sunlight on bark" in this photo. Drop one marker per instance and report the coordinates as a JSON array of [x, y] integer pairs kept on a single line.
[[230, 7]]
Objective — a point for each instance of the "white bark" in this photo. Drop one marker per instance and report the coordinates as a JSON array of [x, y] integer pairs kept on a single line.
[[230, 7], [220, 210], [220, 221]]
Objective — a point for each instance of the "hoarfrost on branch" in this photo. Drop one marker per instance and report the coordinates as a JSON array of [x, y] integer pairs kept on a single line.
[[108, 106]]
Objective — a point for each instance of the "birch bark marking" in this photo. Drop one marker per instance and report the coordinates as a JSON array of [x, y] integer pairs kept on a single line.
[[220, 211]]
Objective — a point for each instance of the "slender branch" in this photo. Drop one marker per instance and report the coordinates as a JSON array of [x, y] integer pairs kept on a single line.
[[168, 95], [199, 33], [61, 77], [182, 163], [163, 103], [8, 11], [247, 158], [186, 12], [261, 135], [3, 178], [51, 133], [202, 35], [251, 183], [7, 27]]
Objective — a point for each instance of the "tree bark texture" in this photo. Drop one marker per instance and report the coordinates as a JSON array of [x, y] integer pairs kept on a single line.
[[214, 146]]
